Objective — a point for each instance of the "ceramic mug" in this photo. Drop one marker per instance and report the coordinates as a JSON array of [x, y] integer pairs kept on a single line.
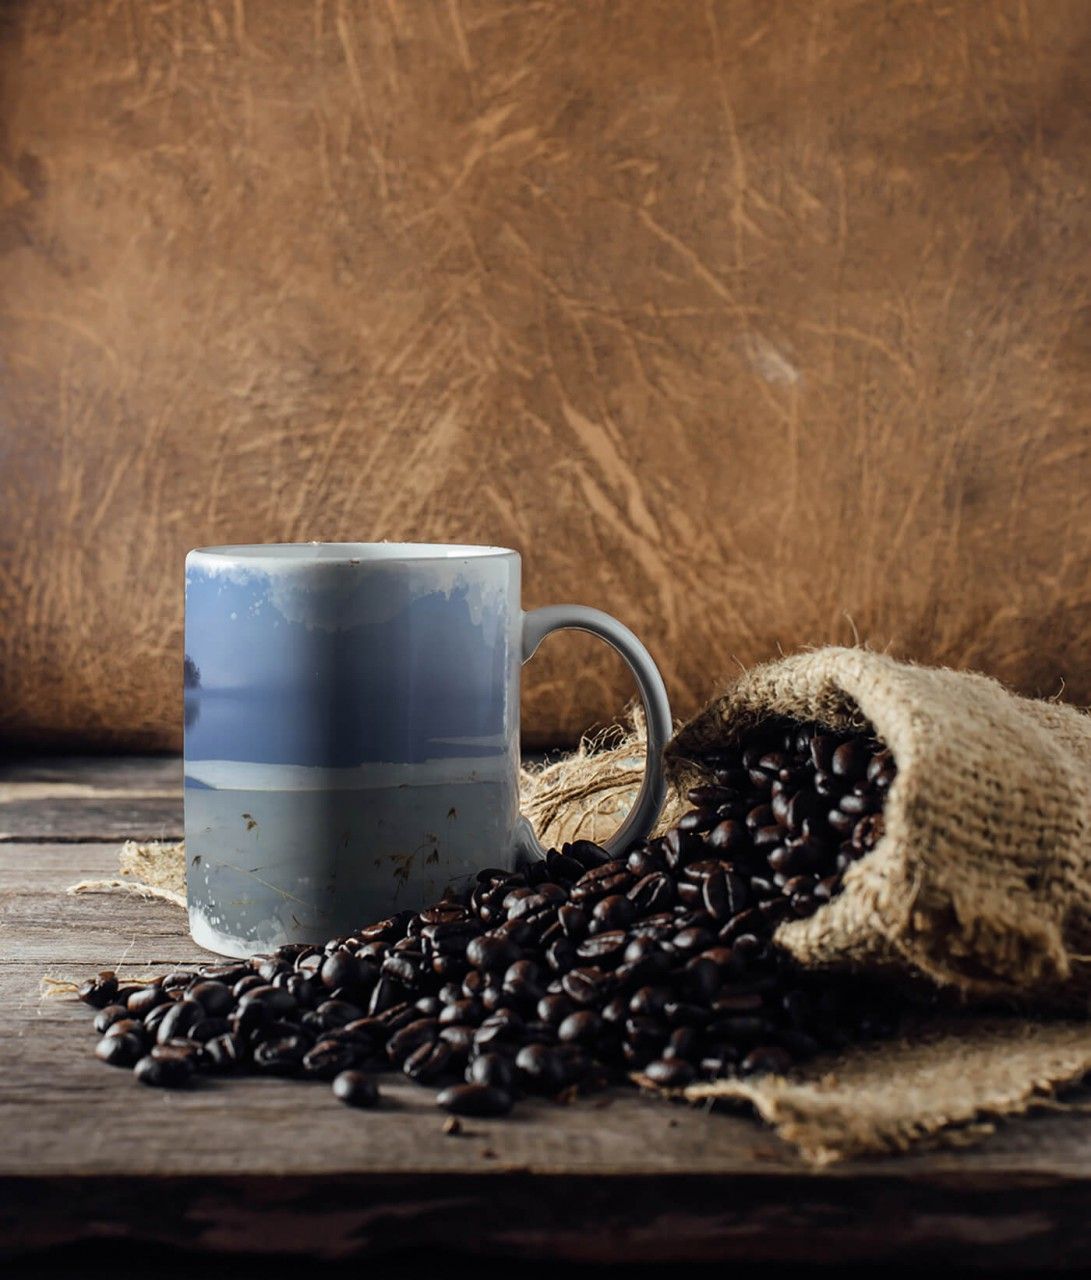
[[352, 731]]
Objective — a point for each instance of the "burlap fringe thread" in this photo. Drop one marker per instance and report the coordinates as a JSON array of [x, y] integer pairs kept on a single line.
[[943, 1084]]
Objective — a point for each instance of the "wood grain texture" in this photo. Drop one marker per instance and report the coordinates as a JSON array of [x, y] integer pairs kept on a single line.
[[750, 324], [273, 1166]]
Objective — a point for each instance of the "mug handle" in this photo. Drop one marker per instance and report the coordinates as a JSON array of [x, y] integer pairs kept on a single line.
[[538, 624]]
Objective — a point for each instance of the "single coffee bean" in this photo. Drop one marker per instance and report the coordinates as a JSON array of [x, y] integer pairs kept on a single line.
[[474, 1100], [142, 1002], [100, 990], [120, 1050], [355, 1089], [670, 1073], [225, 1053], [540, 1069], [178, 1020], [429, 1062], [106, 1017], [493, 1069], [771, 1058], [586, 986], [582, 1027], [164, 1073]]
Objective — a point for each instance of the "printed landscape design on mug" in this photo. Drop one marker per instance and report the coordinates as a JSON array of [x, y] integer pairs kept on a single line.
[[350, 741]]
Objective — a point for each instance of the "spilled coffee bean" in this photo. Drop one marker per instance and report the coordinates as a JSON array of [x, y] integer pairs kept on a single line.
[[576, 971]]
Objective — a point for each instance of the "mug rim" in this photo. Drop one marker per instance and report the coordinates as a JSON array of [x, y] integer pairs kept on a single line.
[[352, 552]]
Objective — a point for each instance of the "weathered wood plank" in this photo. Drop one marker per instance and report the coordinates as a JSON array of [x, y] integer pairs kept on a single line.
[[863, 1219], [162, 774], [87, 819]]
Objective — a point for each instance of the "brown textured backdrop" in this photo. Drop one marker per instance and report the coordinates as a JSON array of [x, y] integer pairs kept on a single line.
[[739, 319]]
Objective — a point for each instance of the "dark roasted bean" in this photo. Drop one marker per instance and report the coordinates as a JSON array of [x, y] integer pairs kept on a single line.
[[142, 1002], [492, 1069], [766, 1057], [355, 1089], [164, 1073], [411, 1037], [670, 1073], [474, 1100], [120, 1050], [224, 1053], [214, 997], [106, 1017], [100, 990], [178, 1020]]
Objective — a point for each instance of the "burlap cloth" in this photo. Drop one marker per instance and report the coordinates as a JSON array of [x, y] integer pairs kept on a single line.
[[980, 887]]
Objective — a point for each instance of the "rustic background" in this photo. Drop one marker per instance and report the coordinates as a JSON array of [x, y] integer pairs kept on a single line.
[[754, 323]]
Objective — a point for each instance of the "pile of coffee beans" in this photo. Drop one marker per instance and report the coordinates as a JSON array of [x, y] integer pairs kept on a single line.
[[577, 971]]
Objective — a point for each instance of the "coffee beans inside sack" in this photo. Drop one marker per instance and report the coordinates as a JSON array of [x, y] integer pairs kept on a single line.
[[579, 971]]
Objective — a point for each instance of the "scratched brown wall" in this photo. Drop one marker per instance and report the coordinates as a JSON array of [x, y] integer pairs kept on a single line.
[[751, 322]]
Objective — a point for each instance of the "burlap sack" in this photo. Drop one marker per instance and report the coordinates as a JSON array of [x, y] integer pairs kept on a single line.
[[982, 881]]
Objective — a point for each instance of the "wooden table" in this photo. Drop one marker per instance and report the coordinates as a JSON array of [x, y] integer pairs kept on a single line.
[[258, 1166]]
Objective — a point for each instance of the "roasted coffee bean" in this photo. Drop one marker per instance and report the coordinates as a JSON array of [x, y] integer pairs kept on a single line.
[[582, 1027], [605, 948], [462, 1012], [120, 1050], [490, 953], [206, 1029], [429, 1063], [698, 820], [214, 997], [224, 1053], [128, 1027], [766, 1057], [100, 990], [164, 1073], [681, 847], [411, 1037], [281, 1057], [683, 1042], [106, 1017], [178, 1020], [586, 853], [729, 838], [850, 760], [355, 1089], [179, 1048], [247, 983], [540, 1069], [340, 969], [670, 1073], [475, 1099], [229, 973], [492, 1069], [142, 1002], [586, 986], [652, 894]]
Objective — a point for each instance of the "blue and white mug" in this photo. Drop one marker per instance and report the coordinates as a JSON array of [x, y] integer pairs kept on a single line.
[[352, 731]]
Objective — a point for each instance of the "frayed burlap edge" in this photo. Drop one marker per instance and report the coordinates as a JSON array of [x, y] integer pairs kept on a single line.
[[942, 1085], [151, 869]]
